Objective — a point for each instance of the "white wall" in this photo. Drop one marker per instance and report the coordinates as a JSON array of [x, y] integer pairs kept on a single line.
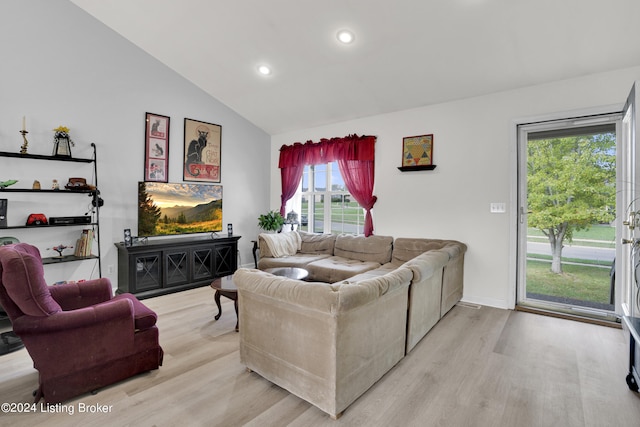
[[62, 67], [474, 150]]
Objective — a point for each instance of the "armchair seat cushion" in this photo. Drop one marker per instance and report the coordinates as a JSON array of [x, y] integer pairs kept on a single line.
[[143, 316]]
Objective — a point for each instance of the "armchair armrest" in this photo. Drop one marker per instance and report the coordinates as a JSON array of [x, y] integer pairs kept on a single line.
[[109, 314], [71, 296]]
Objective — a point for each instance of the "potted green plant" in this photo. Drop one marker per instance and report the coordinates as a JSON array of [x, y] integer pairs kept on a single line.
[[271, 221]]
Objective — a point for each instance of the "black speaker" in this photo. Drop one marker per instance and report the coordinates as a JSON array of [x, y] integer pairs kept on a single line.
[[3, 213], [230, 230], [127, 237]]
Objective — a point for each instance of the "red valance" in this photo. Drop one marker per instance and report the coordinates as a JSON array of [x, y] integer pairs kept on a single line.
[[352, 147]]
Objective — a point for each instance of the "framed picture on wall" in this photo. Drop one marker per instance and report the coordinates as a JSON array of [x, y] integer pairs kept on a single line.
[[202, 143], [417, 151], [156, 152]]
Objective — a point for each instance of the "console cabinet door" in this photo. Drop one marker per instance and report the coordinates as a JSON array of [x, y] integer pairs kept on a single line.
[[202, 262], [176, 267], [146, 271], [226, 261]]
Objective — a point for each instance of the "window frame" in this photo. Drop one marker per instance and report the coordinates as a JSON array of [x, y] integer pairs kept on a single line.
[[315, 191]]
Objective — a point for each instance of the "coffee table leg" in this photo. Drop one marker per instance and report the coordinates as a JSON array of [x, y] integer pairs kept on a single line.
[[235, 304], [216, 297]]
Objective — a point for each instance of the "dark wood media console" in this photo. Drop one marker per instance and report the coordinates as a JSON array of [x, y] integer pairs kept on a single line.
[[162, 266]]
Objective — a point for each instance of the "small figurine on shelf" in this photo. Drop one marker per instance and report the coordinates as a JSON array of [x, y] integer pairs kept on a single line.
[[55, 185], [5, 184], [62, 142], [59, 249]]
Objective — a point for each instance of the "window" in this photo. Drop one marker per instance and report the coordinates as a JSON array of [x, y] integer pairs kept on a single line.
[[325, 204]]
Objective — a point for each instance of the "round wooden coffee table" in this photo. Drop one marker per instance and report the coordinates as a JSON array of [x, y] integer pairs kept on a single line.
[[289, 272], [225, 287]]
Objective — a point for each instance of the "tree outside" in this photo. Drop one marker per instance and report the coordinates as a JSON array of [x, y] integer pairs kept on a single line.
[[571, 186], [148, 212]]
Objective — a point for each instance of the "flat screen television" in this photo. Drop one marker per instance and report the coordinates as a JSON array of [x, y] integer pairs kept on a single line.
[[178, 208]]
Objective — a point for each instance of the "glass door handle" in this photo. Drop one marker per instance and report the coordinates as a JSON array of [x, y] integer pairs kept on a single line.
[[632, 221]]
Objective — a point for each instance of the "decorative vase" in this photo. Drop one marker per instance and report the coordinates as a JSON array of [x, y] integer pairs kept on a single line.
[[62, 142], [61, 147]]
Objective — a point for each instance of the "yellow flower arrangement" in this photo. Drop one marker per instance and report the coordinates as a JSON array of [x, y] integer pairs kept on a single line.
[[62, 129]]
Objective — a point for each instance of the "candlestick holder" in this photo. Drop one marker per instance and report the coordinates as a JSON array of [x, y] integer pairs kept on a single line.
[[23, 149]]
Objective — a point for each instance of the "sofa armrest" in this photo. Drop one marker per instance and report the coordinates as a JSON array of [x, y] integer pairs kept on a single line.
[[425, 265], [71, 296], [330, 298]]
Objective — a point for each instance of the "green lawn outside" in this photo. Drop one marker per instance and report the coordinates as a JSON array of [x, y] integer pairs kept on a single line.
[[605, 233], [347, 213], [578, 282], [566, 260]]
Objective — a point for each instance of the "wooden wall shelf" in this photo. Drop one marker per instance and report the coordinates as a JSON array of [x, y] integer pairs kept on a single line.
[[416, 168]]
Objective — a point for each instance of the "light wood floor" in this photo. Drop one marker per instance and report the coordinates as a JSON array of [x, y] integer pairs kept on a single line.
[[477, 367]]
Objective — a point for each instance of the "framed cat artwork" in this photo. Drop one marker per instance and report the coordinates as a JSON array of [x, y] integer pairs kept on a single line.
[[156, 151], [202, 143]]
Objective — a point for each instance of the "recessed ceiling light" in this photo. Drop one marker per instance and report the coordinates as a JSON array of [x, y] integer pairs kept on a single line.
[[345, 36], [264, 70]]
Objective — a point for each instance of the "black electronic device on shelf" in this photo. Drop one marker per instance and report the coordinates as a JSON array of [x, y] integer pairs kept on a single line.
[[56, 220]]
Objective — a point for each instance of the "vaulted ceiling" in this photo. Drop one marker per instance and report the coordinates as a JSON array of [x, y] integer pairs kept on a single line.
[[406, 53]]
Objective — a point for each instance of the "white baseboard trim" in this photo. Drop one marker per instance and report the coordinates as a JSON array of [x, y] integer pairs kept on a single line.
[[490, 302]]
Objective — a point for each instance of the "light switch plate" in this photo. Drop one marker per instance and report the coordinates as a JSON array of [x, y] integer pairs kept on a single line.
[[497, 208]]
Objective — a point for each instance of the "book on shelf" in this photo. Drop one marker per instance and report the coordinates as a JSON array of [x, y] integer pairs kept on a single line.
[[84, 243]]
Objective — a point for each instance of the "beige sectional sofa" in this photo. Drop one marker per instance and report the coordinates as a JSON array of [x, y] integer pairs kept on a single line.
[[366, 303]]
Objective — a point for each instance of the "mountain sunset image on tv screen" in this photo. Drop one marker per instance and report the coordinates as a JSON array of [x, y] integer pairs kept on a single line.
[[177, 208]]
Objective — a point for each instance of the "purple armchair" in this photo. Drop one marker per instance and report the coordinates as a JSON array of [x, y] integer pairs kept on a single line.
[[79, 336]]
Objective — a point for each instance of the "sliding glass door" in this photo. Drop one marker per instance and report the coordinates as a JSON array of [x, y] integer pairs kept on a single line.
[[566, 225]]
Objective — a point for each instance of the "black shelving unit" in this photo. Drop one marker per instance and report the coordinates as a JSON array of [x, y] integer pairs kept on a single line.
[[94, 193]]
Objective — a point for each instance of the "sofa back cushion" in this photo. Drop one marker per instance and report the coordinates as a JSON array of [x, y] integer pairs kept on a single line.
[[23, 280], [373, 248], [278, 245], [405, 249], [315, 243]]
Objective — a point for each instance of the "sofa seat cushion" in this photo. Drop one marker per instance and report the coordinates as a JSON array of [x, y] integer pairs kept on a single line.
[[298, 260], [371, 274], [336, 268]]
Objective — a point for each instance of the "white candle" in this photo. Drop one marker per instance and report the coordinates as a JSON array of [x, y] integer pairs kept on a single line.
[[24, 123]]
